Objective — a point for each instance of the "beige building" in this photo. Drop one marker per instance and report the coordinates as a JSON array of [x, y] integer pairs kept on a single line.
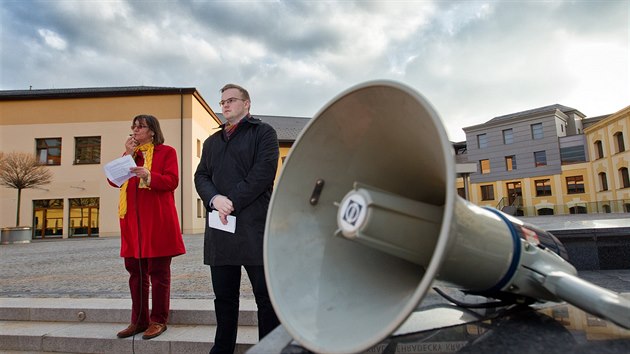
[[610, 159], [76, 131]]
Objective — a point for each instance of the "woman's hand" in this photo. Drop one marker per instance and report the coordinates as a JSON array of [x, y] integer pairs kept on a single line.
[[130, 145], [141, 172]]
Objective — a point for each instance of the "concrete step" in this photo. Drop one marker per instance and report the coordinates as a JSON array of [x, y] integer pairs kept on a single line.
[[65, 325]]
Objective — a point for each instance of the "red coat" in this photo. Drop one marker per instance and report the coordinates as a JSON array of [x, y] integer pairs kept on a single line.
[[158, 233]]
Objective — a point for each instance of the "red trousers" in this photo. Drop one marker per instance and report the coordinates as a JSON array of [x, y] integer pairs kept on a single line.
[[157, 273]]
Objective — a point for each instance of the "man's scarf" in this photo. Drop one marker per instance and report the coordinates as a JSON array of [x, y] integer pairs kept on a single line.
[[148, 159]]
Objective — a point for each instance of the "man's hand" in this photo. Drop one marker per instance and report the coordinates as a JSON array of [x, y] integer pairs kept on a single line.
[[224, 206]]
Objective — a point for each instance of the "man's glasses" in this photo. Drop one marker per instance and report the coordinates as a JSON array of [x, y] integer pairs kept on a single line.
[[139, 126], [230, 101]]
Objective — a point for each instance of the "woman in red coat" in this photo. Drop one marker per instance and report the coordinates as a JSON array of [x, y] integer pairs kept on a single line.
[[149, 226]]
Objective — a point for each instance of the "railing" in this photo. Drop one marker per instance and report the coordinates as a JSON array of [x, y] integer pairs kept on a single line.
[[501, 204], [601, 207]]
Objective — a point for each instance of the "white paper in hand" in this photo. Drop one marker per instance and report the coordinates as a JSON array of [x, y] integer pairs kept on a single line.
[[215, 223], [118, 171]]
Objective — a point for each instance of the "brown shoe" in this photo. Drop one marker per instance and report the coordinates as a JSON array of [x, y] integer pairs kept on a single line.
[[154, 330], [131, 330]]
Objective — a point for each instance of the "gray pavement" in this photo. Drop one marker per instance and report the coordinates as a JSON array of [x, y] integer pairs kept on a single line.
[[92, 268]]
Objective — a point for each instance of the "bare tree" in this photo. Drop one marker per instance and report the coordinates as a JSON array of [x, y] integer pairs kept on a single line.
[[20, 170]]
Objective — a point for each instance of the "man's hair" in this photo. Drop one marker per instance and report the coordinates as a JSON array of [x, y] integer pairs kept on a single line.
[[233, 86]]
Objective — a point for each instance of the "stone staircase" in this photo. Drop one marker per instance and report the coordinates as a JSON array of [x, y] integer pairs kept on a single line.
[[67, 325]]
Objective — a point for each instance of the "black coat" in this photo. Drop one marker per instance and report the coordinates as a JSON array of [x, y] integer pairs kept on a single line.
[[243, 169]]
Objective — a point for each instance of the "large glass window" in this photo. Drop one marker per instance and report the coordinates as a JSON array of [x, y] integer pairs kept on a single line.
[[572, 154], [83, 217], [482, 141], [537, 131], [487, 192], [575, 184], [87, 150], [49, 151], [540, 158], [543, 187], [48, 218], [508, 136], [510, 163], [484, 166]]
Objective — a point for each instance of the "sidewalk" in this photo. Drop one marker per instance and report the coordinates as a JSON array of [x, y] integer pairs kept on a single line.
[[92, 268]]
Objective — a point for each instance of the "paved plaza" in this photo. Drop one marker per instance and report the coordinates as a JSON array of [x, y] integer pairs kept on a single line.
[[92, 268]]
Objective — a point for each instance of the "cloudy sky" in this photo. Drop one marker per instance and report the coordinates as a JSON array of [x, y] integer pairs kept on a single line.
[[473, 60]]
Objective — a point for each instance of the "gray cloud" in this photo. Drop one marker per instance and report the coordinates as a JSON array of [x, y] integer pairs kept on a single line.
[[472, 59]]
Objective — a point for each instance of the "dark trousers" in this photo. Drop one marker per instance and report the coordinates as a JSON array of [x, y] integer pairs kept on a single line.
[[157, 273], [226, 282]]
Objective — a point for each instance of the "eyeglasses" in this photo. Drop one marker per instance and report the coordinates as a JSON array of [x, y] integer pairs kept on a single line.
[[139, 127], [230, 101]]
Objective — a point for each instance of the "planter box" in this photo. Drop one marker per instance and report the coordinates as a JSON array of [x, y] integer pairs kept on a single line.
[[20, 234]]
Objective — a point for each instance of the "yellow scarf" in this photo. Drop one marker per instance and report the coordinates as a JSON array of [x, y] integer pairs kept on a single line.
[[148, 159]]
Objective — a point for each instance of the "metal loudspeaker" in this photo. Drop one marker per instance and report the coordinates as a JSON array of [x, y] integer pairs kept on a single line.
[[366, 216]]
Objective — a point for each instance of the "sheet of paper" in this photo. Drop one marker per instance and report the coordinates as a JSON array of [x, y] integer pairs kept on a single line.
[[215, 223], [117, 170]]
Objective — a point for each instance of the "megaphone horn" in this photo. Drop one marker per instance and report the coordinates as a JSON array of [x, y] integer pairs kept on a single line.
[[365, 217]]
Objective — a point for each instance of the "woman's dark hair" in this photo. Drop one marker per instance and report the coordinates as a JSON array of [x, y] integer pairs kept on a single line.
[[154, 126]]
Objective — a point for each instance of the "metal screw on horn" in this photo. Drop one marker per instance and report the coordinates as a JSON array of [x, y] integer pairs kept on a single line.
[[81, 315]]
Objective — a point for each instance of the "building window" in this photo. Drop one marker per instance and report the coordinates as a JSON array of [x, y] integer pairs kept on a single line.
[[485, 166], [543, 187], [606, 208], [49, 151], [599, 149], [537, 131], [572, 154], [48, 218], [487, 192], [625, 180], [83, 217], [510, 163], [575, 184], [621, 147], [461, 192], [545, 211], [507, 137], [578, 209], [603, 181], [87, 150], [540, 158], [482, 141]]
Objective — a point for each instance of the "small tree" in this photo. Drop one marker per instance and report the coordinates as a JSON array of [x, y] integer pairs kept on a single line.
[[20, 170]]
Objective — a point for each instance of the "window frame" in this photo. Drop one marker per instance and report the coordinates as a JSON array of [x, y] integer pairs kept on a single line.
[[487, 191], [42, 144], [94, 156], [543, 187], [576, 183], [537, 161], [537, 131]]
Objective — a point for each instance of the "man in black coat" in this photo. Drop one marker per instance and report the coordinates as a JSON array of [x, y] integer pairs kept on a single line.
[[235, 177]]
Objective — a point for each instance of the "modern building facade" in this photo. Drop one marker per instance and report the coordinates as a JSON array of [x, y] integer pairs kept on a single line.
[[76, 131], [540, 162]]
